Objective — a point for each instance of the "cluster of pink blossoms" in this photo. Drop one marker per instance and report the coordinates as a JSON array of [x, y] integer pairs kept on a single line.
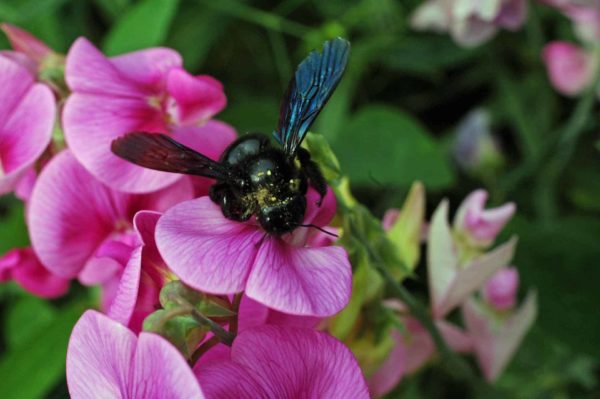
[[174, 272], [572, 67], [105, 222]]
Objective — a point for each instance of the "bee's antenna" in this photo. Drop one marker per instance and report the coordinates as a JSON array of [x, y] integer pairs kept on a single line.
[[320, 229]]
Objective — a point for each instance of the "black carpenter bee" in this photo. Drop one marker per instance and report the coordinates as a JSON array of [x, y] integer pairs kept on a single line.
[[253, 177]]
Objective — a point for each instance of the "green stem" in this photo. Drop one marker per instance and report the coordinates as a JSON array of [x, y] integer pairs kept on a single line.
[[547, 183], [233, 324], [205, 347], [224, 336], [262, 18], [454, 363]]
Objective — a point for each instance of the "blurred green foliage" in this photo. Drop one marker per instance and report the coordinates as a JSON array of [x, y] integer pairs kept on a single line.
[[390, 122]]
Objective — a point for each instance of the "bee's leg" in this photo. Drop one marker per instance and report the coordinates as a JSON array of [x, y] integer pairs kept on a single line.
[[313, 173]]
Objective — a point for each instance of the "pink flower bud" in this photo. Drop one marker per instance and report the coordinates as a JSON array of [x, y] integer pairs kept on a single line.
[[24, 42], [479, 225], [501, 290], [571, 69]]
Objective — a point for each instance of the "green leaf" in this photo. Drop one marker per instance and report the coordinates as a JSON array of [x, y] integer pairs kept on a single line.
[[382, 144], [26, 317], [32, 369], [561, 261], [251, 114], [14, 230], [144, 25], [195, 32], [425, 55]]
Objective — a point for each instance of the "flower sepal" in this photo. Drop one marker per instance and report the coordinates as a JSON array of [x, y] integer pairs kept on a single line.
[[188, 315]]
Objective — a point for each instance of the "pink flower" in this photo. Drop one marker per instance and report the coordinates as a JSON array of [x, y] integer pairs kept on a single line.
[[27, 112], [284, 362], [412, 350], [454, 275], [501, 290], [496, 337], [145, 273], [105, 359], [24, 267], [141, 91], [82, 228], [480, 226], [584, 14], [216, 255], [470, 22], [571, 68]]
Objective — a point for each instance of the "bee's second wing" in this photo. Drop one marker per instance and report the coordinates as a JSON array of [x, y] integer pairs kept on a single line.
[[315, 80], [160, 152]]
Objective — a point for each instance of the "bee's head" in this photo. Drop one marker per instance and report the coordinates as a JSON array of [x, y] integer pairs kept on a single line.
[[282, 216]]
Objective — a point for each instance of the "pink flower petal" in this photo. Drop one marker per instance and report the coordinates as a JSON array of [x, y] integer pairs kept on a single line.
[[24, 42], [26, 122], [501, 290], [494, 341], [285, 363], [106, 359], [391, 371], [87, 70], [228, 380], [571, 68], [124, 301], [147, 67], [300, 280], [92, 122], [197, 98], [22, 60], [473, 276], [71, 214], [207, 251], [16, 81], [480, 225], [99, 357], [211, 139], [25, 268], [161, 371]]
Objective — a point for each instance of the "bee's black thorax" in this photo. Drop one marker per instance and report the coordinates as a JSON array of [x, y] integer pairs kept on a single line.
[[266, 183]]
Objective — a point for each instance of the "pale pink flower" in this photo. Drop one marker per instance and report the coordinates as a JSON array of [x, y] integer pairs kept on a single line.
[[501, 290], [284, 362], [478, 225], [216, 255], [584, 14], [496, 337], [470, 22], [452, 279], [571, 68], [81, 228], [413, 349], [105, 359], [27, 112], [23, 266], [145, 90]]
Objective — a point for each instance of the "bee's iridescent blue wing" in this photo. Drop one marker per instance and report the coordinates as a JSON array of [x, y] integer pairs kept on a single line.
[[315, 80]]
